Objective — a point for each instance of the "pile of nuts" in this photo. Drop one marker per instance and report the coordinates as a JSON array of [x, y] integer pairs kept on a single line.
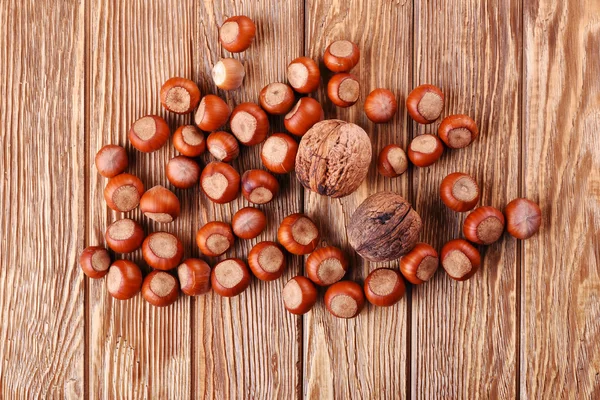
[[332, 159]]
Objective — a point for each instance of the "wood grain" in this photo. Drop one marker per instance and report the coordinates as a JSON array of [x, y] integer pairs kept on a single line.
[[365, 357], [42, 197], [136, 350], [464, 335], [560, 316], [249, 346]]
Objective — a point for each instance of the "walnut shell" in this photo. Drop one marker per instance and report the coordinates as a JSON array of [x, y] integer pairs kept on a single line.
[[384, 227], [333, 158]]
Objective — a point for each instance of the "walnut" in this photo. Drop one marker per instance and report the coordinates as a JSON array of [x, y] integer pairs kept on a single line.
[[333, 158], [384, 227]]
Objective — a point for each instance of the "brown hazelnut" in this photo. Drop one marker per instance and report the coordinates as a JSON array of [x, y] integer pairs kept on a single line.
[[220, 182], [333, 158], [425, 150], [380, 106], [179, 95], [124, 279], [326, 265], [344, 299], [249, 124], [299, 295], [460, 259], [162, 250], [248, 222], [182, 172], [124, 236], [228, 74], [458, 131], [303, 116], [267, 261], [277, 98], [343, 89], [484, 225], [419, 264], [123, 192], [111, 160], [230, 277], [392, 161], [160, 204], [212, 113], [258, 186], [341, 56], [523, 218], [194, 276], [214, 238], [298, 234], [149, 133], [304, 75], [278, 153], [189, 141], [94, 261], [459, 192], [236, 33], [384, 287], [384, 227], [425, 104], [223, 146], [160, 289]]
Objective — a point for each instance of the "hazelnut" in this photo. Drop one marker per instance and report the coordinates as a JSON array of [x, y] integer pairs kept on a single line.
[[460, 260], [425, 150], [267, 261], [220, 182], [149, 133], [384, 287], [258, 186], [343, 89], [248, 222], [182, 172], [162, 250], [179, 95], [214, 238], [277, 98], [223, 146], [230, 277], [344, 299], [384, 227], [124, 279], [303, 116], [484, 225], [160, 204], [111, 160], [278, 153], [298, 234], [124, 236], [212, 113], [326, 265], [299, 295], [304, 75], [523, 218], [333, 158], [123, 192], [160, 289], [189, 141], [249, 124], [341, 56], [236, 33], [94, 261], [459, 192], [425, 104], [380, 106], [228, 74], [458, 131], [419, 264], [194, 276], [392, 161]]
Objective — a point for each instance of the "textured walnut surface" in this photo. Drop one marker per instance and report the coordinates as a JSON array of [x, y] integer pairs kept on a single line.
[[333, 158], [384, 227]]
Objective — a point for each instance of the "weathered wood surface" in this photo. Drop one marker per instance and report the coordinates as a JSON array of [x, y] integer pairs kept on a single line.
[[75, 75]]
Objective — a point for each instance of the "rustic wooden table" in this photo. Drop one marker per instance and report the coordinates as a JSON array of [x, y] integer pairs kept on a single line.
[[75, 74]]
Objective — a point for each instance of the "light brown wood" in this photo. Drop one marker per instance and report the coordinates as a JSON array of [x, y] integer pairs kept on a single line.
[[249, 346], [560, 317], [42, 331], [136, 350], [365, 357], [464, 334]]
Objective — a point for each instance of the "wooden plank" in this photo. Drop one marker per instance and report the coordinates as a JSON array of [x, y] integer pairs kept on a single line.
[[364, 357], [560, 318], [135, 349], [249, 346], [464, 335], [42, 196]]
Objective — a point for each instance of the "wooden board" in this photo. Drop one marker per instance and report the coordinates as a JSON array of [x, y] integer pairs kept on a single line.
[[560, 317], [365, 357], [464, 335], [42, 330], [249, 346]]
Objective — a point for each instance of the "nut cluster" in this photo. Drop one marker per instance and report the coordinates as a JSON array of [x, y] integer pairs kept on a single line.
[[330, 157]]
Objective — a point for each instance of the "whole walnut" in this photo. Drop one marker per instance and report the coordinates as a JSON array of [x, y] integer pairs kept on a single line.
[[384, 227], [333, 158]]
